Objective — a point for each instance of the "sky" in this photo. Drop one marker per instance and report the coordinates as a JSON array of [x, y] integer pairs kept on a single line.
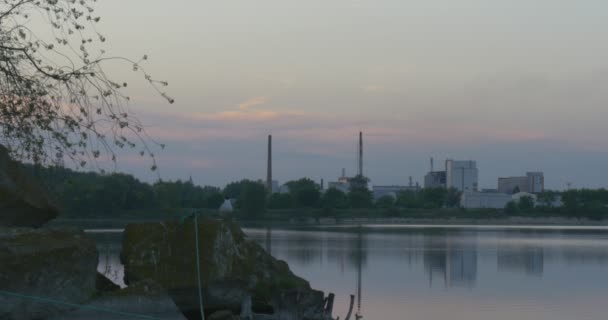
[[518, 85]]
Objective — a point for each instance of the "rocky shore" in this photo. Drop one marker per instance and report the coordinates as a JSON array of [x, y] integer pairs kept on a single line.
[[51, 272]]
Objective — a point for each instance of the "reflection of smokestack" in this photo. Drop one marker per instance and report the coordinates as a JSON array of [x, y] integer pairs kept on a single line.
[[360, 171], [269, 169]]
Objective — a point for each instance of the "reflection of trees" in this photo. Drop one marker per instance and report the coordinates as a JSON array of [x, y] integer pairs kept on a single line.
[[528, 260], [303, 248], [455, 262]]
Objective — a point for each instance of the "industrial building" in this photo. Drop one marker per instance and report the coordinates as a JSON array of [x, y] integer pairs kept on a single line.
[[345, 183], [476, 200], [461, 175], [493, 200], [532, 182], [435, 179]]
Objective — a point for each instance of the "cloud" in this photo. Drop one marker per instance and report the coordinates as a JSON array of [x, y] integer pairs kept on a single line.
[[246, 105], [245, 111]]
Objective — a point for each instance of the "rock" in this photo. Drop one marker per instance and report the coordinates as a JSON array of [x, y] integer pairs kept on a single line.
[[23, 202], [43, 272], [223, 315], [233, 269], [103, 284], [145, 299]]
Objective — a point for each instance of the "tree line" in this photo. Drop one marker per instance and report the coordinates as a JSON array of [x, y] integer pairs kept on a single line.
[[92, 193]]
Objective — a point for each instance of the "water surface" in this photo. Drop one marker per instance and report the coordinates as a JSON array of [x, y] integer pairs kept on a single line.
[[434, 273]]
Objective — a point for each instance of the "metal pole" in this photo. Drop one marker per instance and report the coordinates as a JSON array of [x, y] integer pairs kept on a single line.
[[198, 268]]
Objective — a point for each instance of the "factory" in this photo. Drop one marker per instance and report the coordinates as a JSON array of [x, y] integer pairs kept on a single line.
[[344, 183], [532, 182], [435, 179], [392, 191], [460, 175]]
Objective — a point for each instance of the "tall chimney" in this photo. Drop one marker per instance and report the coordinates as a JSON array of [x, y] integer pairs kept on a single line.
[[360, 171], [432, 164], [269, 169]]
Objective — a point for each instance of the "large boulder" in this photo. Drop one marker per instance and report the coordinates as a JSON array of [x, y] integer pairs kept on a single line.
[[145, 299], [233, 270], [45, 272], [23, 202]]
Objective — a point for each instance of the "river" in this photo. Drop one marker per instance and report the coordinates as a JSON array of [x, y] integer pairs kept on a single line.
[[439, 272]]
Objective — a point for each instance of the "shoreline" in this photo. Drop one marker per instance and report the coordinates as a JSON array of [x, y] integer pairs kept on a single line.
[[106, 223]]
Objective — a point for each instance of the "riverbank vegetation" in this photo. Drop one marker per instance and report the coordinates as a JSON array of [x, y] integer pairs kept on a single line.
[[91, 194]]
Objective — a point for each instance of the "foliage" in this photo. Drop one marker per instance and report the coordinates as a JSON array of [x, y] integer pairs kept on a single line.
[[252, 199], [547, 198], [511, 208], [360, 198], [526, 203], [305, 192], [56, 101], [385, 202], [428, 198], [334, 199], [84, 193], [280, 201]]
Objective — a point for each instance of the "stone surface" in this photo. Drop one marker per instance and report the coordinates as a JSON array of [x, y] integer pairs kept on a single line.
[[103, 284], [143, 300], [42, 271], [232, 268], [23, 202]]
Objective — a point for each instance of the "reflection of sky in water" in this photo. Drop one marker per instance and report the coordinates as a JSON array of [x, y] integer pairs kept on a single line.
[[454, 273], [473, 274]]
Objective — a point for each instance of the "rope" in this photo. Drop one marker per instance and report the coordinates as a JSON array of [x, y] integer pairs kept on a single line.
[[198, 269], [74, 305]]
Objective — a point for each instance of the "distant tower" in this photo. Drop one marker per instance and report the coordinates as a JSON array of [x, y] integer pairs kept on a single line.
[[322, 184], [411, 182], [360, 162], [343, 173], [269, 169], [432, 164]]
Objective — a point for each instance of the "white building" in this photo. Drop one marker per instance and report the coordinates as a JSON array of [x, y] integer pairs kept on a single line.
[[517, 197], [493, 200], [339, 185], [227, 206], [381, 191], [477, 200], [461, 175]]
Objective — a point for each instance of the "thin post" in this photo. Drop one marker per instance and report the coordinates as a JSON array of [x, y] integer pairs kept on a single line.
[[350, 309], [198, 269]]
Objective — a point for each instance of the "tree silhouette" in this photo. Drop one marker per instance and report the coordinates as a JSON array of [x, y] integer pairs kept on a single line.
[[56, 101]]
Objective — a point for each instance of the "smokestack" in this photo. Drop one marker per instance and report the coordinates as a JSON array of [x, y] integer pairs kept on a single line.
[[432, 164], [269, 169], [360, 171], [343, 173]]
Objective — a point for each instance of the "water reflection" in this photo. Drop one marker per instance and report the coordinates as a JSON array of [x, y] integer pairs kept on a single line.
[[435, 273], [454, 261]]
